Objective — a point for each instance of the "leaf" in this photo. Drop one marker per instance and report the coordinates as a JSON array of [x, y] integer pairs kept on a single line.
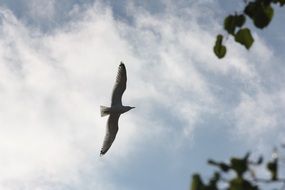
[[239, 166], [197, 183], [224, 167], [246, 156], [267, 2], [229, 24], [281, 2], [263, 17], [214, 181], [261, 13], [260, 160], [233, 21], [251, 9], [219, 49], [240, 20], [244, 37], [241, 184], [219, 39], [273, 168]]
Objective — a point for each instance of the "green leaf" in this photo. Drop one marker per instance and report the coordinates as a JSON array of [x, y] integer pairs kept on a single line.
[[251, 9], [263, 17], [197, 183], [273, 168], [224, 167], [214, 181], [239, 166], [240, 20], [219, 39], [233, 21], [261, 13], [219, 49], [244, 37], [241, 184], [229, 24]]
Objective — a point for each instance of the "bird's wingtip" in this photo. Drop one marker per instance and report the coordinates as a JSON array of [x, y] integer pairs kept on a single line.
[[102, 153], [122, 63]]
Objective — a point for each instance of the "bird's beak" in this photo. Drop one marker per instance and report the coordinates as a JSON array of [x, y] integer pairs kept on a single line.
[[133, 107]]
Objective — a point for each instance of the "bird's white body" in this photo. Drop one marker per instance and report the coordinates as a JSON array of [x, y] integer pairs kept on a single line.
[[115, 110]]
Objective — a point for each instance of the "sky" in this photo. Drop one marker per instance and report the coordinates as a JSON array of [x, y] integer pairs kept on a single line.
[[58, 62]]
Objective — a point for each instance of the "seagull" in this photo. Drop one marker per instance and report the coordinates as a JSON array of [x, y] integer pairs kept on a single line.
[[115, 110]]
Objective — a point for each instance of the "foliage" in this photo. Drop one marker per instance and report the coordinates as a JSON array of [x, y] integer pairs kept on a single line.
[[239, 174], [260, 12], [219, 49]]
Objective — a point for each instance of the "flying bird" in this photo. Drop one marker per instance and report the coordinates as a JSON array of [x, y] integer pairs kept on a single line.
[[115, 110]]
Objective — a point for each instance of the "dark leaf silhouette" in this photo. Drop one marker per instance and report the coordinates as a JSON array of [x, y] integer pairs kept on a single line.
[[240, 174], [244, 37], [232, 22], [219, 49], [261, 12], [273, 169]]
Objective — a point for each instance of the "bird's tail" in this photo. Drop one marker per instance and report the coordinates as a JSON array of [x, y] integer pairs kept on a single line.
[[104, 111]]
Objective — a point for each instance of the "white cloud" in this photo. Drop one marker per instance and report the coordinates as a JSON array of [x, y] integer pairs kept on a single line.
[[256, 115], [52, 85], [50, 95]]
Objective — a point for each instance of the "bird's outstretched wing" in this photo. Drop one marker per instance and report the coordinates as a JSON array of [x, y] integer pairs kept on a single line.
[[120, 85], [111, 132]]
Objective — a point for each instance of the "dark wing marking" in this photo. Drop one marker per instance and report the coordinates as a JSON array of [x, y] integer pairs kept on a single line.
[[120, 85], [111, 132]]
